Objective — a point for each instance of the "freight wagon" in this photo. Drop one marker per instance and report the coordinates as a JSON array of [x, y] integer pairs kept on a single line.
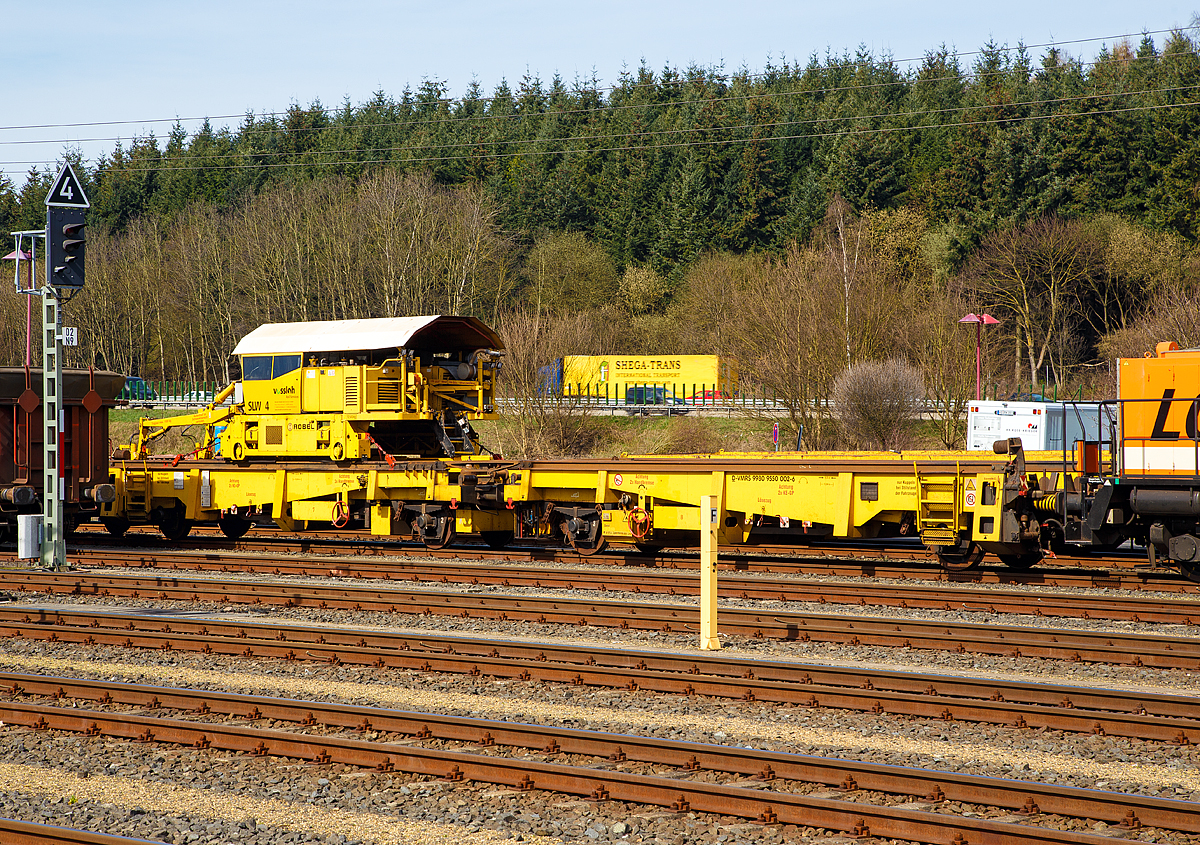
[[368, 425], [377, 436], [87, 397]]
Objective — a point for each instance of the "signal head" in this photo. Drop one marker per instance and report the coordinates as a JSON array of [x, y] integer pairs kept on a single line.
[[67, 245]]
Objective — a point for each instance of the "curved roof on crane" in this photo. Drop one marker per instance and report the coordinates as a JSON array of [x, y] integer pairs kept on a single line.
[[437, 333]]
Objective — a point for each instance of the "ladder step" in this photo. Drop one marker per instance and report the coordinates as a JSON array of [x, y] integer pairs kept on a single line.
[[939, 536]]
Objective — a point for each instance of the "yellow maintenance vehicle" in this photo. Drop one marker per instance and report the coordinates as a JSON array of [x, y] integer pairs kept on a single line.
[[366, 424], [337, 392]]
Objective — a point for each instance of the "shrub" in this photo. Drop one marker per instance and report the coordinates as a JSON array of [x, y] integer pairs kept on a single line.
[[690, 436], [878, 402]]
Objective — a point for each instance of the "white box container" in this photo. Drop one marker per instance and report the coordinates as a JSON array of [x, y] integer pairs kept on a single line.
[[29, 536], [1040, 425]]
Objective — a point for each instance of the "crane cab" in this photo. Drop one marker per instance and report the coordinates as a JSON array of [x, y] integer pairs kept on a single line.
[[401, 386]]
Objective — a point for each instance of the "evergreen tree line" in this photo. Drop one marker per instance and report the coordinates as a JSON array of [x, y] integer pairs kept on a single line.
[[664, 167], [854, 204]]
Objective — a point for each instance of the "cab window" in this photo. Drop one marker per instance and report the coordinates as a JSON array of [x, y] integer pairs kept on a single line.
[[285, 364], [256, 368]]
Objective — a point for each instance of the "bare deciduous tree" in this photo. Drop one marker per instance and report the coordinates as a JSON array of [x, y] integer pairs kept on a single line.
[[546, 422], [1033, 276], [175, 294], [947, 362], [844, 236]]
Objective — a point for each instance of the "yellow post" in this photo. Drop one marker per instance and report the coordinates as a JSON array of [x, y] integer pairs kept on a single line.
[[708, 573]]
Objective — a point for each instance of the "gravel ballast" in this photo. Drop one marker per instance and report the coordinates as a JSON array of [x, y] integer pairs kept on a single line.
[[212, 796]]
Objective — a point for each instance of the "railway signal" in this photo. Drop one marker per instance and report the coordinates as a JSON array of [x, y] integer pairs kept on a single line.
[[64, 234], [66, 205]]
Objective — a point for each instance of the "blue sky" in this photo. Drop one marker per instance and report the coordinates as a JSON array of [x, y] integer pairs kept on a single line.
[[142, 61]]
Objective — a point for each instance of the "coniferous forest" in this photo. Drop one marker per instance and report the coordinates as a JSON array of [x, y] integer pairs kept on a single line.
[[801, 218]]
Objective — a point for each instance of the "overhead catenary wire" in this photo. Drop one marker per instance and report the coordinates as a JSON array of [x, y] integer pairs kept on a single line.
[[608, 108], [719, 128], [424, 121], [317, 162]]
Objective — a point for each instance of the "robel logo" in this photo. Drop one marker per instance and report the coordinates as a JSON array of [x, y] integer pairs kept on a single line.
[[308, 426]]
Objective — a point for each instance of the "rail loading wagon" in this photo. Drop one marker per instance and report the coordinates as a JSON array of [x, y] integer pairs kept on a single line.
[[346, 425], [956, 505], [1141, 483]]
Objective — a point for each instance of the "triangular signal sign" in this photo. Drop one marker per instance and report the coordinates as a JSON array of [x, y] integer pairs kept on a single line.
[[67, 190]]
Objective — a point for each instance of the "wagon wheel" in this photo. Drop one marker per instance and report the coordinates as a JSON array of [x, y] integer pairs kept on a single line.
[[115, 525], [441, 541], [1021, 562], [175, 526], [958, 559], [234, 526], [583, 547], [496, 539], [588, 550]]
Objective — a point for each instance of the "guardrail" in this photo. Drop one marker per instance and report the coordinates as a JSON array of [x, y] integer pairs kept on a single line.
[[170, 393], [582, 404], [657, 398], [666, 398], [648, 398], [754, 400]]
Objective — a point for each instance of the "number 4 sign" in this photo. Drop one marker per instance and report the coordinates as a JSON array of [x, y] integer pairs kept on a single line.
[[67, 190]]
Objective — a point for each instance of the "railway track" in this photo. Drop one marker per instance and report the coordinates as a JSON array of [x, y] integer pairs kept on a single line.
[[909, 562], [1163, 718], [858, 798], [504, 757], [737, 586], [1138, 649], [14, 832]]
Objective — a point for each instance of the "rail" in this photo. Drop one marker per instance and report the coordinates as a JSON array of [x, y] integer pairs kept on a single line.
[[732, 585], [16, 832], [1036, 706], [601, 784], [1028, 798], [1055, 643]]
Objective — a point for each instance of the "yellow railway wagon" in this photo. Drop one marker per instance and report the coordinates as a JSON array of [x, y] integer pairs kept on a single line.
[[955, 502]]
